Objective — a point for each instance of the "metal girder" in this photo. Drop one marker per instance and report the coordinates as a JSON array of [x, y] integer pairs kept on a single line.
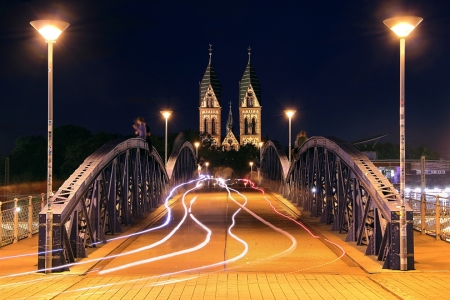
[[182, 163], [334, 181], [118, 183]]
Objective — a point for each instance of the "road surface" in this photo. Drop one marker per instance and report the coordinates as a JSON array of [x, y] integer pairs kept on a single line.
[[220, 230]]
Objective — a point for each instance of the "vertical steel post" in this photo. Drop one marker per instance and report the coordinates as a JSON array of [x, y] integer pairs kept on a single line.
[[290, 117], [423, 210], [403, 233], [16, 221], [49, 218], [423, 199], [30, 216], [42, 201], [165, 151], [438, 217]]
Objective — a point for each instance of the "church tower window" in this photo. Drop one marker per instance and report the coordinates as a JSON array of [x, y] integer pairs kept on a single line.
[[213, 126], [246, 126], [253, 126], [205, 125]]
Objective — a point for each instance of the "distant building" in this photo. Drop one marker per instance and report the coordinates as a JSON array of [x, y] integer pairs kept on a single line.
[[249, 106], [437, 172], [210, 109]]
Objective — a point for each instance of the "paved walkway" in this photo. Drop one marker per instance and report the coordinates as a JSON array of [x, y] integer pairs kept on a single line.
[[430, 280]]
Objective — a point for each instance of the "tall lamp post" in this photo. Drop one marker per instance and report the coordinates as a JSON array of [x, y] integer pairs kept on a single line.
[[50, 30], [251, 170], [166, 114], [290, 113], [402, 27], [260, 161], [196, 144]]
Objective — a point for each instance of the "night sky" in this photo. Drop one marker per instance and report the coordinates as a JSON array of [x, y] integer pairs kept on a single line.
[[333, 61]]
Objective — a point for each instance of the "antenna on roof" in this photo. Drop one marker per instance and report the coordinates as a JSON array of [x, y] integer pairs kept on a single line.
[[249, 53]]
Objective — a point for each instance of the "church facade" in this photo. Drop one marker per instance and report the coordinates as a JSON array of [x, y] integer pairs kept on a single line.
[[249, 102]]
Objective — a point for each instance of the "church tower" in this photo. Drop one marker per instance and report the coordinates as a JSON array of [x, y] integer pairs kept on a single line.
[[249, 106], [210, 106]]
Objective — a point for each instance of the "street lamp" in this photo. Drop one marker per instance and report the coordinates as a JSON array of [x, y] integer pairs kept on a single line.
[[402, 27], [251, 170], [196, 144], [260, 162], [50, 30], [290, 113], [166, 114], [206, 164]]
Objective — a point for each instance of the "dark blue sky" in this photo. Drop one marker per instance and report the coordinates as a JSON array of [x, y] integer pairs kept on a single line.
[[333, 61]]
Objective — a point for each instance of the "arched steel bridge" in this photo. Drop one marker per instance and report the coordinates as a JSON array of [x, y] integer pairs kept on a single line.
[[118, 183], [123, 180], [333, 181]]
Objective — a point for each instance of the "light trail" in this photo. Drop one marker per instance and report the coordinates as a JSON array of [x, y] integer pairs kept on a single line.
[[310, 233], [168, 209], [243, 253], [156, 258], [120, 254], [277, 229]]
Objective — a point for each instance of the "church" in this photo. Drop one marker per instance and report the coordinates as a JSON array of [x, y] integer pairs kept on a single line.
[[210, 109]]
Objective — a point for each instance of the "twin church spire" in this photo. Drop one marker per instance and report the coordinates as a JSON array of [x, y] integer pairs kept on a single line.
[[249, 108]]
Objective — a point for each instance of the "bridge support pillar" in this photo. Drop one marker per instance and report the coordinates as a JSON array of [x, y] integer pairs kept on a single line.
[[58, 256], [393, 257]]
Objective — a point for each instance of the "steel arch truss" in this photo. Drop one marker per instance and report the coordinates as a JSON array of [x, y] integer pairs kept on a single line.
[[118, 183], [274, 166], [338, 184], [182, 163]]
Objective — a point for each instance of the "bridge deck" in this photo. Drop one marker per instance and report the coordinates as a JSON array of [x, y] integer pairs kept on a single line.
[[243, 279]]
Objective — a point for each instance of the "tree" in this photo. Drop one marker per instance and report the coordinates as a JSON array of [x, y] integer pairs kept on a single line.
[[392, 151], [28, 160], [76, 153]]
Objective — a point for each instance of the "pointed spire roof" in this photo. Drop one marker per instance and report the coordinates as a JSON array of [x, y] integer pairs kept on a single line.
[[210, 78], [229, 126], [249, 77]]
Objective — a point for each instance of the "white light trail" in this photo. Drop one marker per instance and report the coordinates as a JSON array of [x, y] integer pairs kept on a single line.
[[277, 229], [166, 205], [120, 254], [176, 253], [312, 235]]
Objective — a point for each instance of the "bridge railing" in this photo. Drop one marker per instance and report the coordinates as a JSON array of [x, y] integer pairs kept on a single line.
[[19, 218], [431, 214]]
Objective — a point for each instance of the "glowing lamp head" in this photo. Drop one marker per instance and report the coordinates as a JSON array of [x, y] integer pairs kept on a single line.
[[402, 26], [260, 144], [50, 29], [207, 163], [289, 113], [196, 144], [166, 113], [251, 164]]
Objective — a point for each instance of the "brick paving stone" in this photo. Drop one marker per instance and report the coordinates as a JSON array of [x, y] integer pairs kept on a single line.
[[230, 286]]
